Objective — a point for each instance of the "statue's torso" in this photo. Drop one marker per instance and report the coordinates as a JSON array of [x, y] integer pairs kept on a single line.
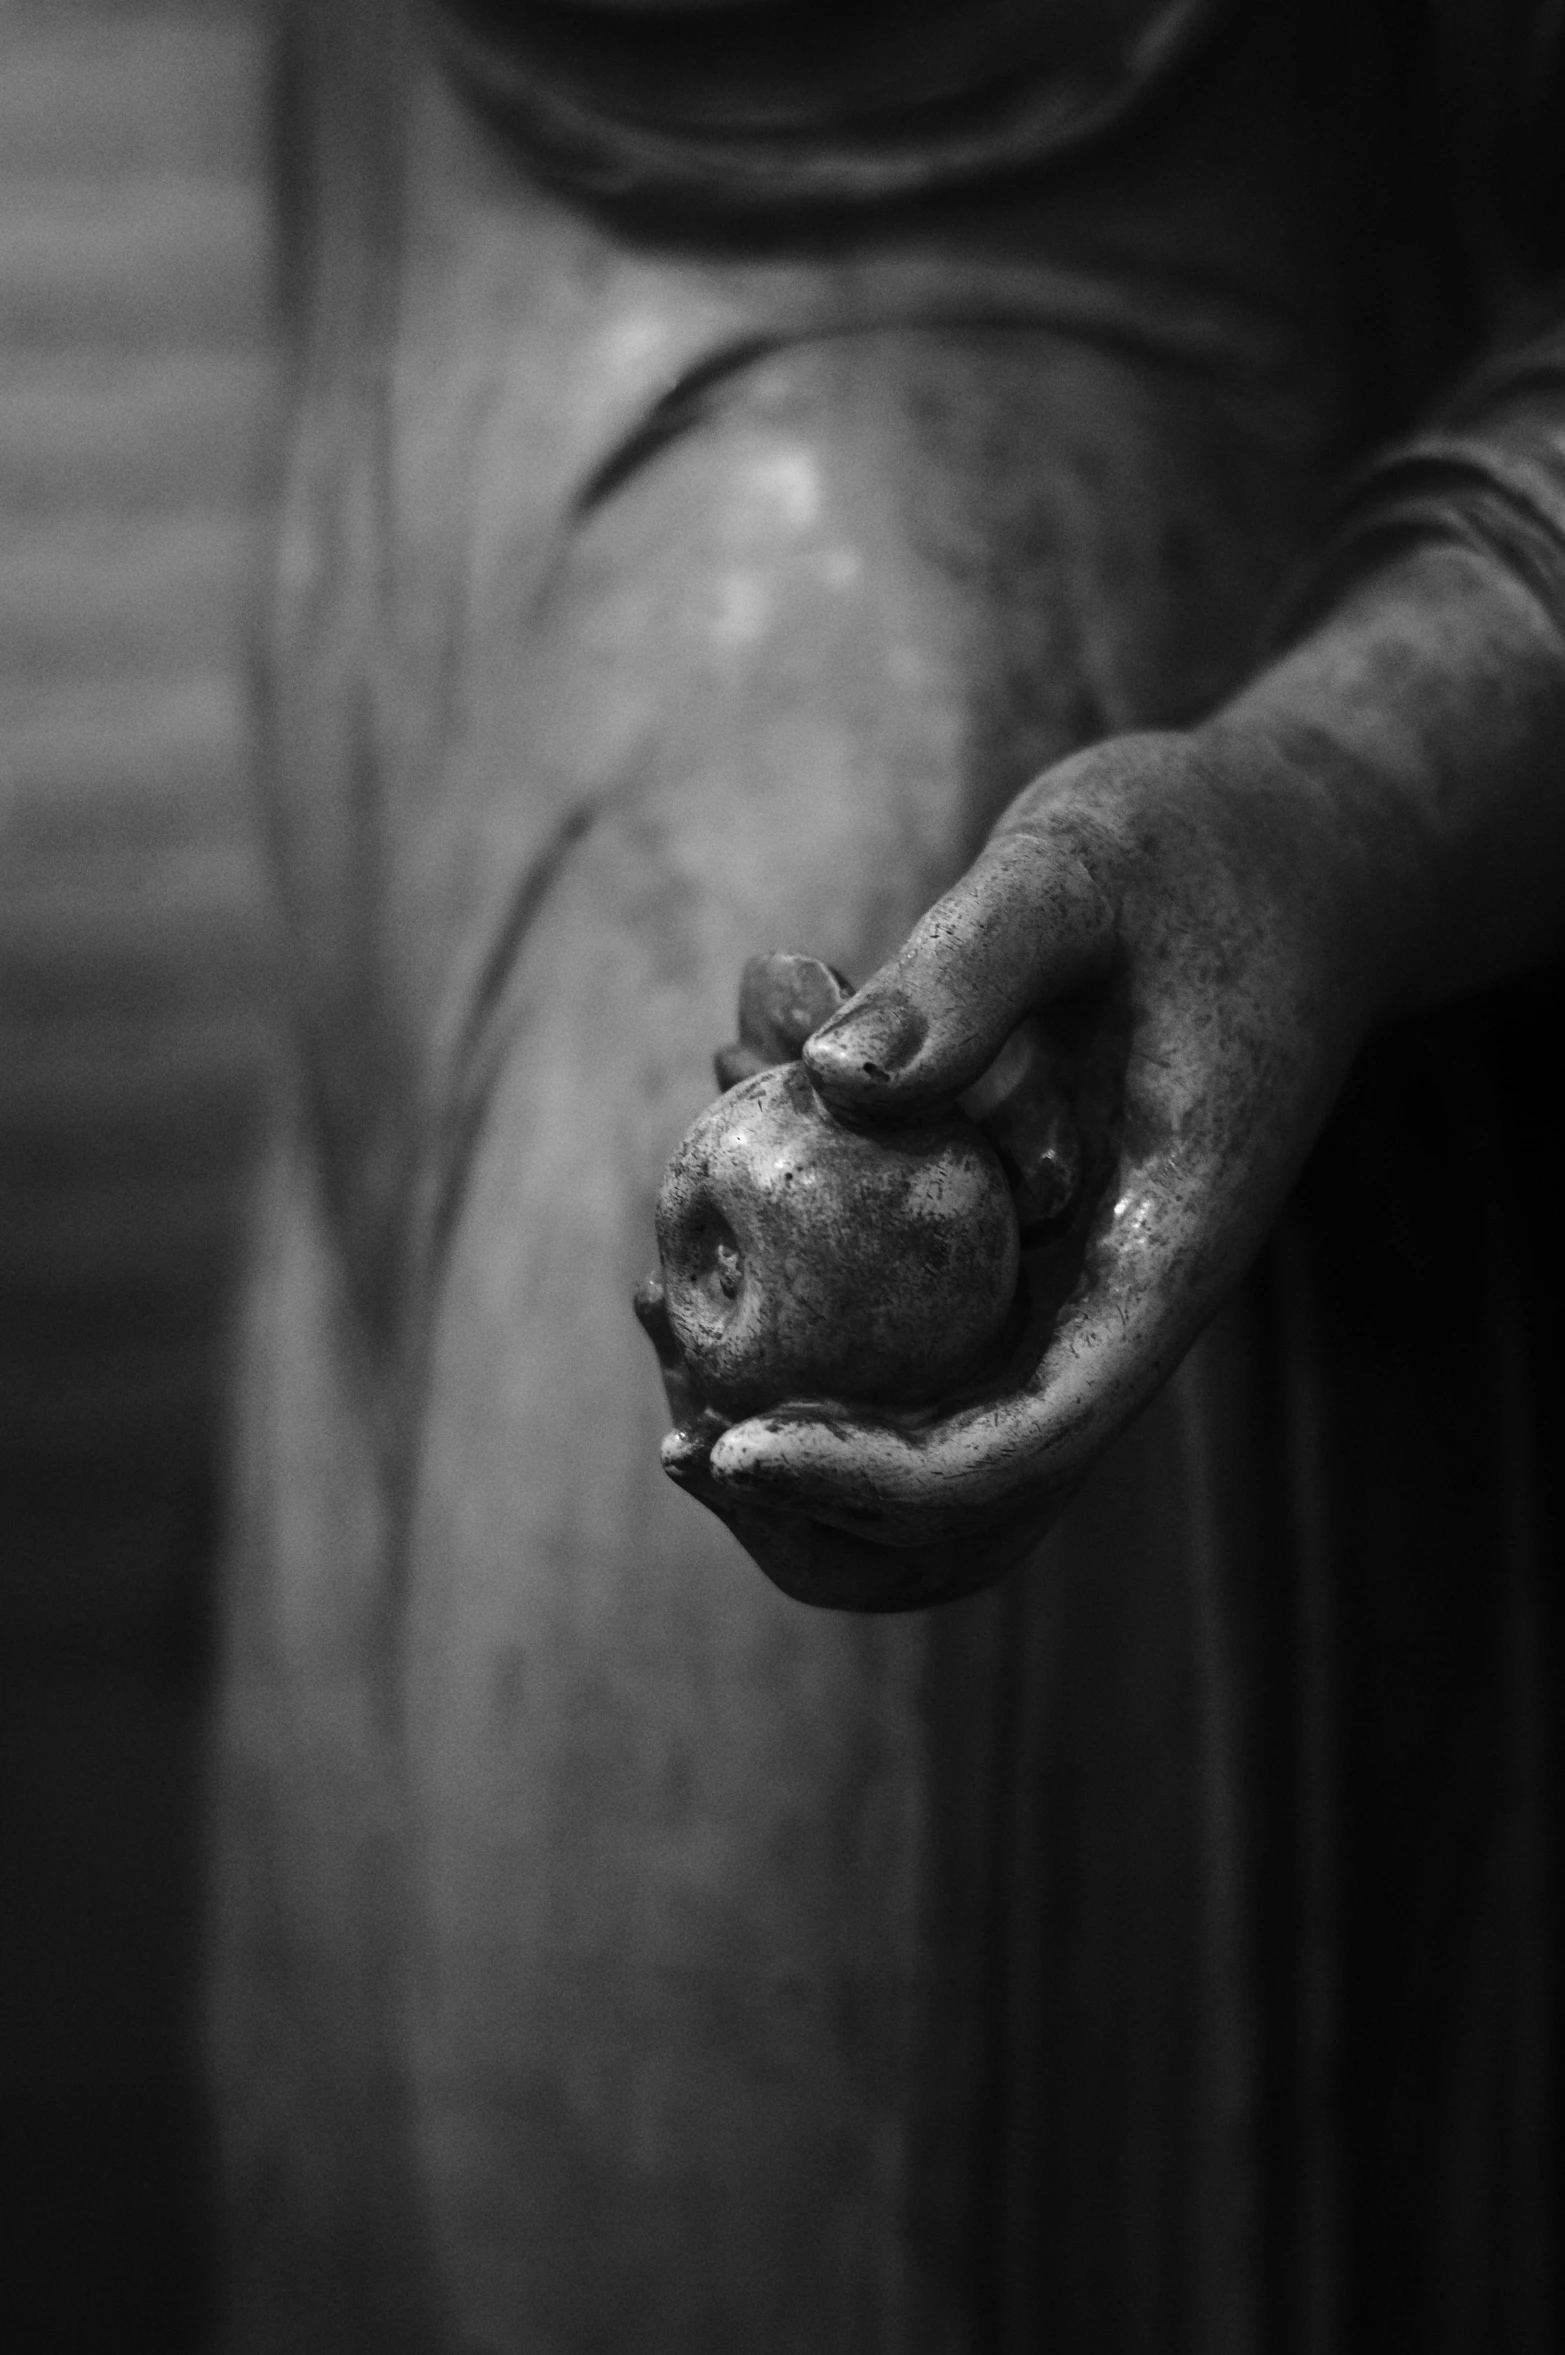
[[609, 1944]]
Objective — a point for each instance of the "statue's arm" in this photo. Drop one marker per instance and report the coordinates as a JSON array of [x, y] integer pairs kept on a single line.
[[1375, 824], [1430, 679]]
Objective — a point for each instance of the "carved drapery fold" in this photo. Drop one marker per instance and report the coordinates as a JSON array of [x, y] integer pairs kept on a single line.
[[802, 106]]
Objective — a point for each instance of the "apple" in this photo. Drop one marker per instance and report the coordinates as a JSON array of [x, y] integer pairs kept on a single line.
[[805, 1258]]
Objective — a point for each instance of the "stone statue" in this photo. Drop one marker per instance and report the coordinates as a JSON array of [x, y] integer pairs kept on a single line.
[[908, 487]]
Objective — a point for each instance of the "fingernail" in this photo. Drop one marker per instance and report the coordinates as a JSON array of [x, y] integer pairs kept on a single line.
[[734, 1462], [651, 1308], [873, 1038], [680, 1455]]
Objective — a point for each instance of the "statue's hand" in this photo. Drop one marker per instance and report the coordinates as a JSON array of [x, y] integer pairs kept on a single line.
[[1194, 922]]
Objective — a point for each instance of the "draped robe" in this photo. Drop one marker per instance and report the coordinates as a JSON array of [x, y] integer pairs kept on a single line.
[[611, 1954]]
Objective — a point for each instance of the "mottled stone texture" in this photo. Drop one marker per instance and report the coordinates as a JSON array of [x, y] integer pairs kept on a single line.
[[801, 1256]]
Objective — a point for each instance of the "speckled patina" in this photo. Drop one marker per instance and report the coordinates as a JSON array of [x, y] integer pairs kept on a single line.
[[802, 1257]]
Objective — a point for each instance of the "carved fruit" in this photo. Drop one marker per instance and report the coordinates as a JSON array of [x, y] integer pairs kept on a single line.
[[803, 1258]]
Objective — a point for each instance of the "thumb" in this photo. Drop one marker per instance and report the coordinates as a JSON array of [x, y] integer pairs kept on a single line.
[[1026, 923]]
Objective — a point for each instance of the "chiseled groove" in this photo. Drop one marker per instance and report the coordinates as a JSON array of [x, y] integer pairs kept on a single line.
[[674, 414], [1108, 318], [486, 1035], [481, 1049]]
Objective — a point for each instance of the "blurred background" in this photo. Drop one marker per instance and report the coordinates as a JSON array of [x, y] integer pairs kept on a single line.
[[137, 391]]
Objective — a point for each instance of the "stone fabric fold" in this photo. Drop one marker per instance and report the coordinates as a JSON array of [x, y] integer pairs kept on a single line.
[[1488, 473], [784, 106]]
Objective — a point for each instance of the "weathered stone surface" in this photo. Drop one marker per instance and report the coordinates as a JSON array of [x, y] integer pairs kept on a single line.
[[803, 1256]]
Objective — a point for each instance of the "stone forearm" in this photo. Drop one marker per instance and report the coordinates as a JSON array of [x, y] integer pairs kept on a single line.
[[1427, 696]]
